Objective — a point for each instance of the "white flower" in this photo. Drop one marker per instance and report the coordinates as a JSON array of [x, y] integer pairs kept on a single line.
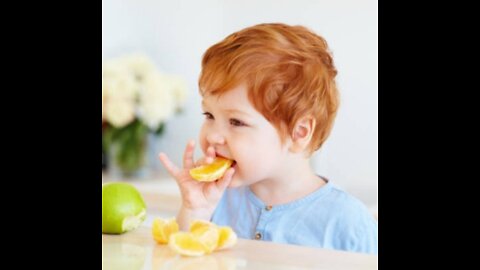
[[138, 64], [157, 102], [119, 112], [179, 88], [118, 81], [132, 87]]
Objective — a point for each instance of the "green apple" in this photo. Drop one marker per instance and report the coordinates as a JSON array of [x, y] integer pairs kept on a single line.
[[123, 208]]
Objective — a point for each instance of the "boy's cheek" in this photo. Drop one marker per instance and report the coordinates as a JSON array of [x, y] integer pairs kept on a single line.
[[203, 143]]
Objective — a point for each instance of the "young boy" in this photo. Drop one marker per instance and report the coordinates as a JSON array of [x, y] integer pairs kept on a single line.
[[269, 100]]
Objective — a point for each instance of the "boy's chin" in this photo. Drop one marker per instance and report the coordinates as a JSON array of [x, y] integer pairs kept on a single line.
[[235, 183]]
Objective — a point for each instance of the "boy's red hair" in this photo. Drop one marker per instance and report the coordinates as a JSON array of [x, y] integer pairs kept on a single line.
[[288, 71]]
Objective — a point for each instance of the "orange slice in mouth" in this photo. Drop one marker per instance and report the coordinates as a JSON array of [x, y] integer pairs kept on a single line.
[[212, 171]]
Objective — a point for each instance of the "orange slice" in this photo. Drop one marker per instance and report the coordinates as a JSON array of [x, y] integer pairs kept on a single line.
[[208, 236], [186, 243], [199, 224], [211, 172], [163, 228], [227, 238], [203, 237]]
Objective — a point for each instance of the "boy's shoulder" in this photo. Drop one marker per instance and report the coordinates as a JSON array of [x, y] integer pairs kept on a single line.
[[340, 205], [339, 198], [339, 220]]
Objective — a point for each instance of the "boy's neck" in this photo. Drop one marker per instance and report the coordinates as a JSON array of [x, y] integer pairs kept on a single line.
[[292, 183]]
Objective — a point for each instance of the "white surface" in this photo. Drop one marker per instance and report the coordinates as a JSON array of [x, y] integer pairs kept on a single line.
[[176, 33]]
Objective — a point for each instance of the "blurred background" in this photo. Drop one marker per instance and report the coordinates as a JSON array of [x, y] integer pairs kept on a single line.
[[173, 35]]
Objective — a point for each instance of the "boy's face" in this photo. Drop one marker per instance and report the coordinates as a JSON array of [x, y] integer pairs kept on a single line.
[[238, 132]]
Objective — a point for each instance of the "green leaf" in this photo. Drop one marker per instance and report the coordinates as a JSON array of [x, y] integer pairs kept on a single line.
[[107, 137], [131, 146], [159, 130], [179, 110]]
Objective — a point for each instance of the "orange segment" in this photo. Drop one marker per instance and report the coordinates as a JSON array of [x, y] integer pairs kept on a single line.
[[211, 172], [227, 238], [187, 244], [198, 224], [163, 228], [203, 237], [207, 232], [208, 236]]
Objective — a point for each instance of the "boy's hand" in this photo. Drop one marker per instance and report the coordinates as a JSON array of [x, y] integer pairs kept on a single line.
[[197, 196]]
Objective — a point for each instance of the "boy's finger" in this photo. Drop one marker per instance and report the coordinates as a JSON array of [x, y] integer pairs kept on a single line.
[[210, 155], [226, 179], [171, 168], [200, 162], [188, 162]]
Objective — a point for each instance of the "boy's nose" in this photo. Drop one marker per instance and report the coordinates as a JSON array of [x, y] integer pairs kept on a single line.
[[215, 138]]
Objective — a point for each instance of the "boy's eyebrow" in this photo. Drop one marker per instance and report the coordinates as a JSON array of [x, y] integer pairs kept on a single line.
[[237, 111], [229, 110]]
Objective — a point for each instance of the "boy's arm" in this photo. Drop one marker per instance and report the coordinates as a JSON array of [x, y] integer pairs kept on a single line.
[[185, 216], [199, 199], [189, 211]]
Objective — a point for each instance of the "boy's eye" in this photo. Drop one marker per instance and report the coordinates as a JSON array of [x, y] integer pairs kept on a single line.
[[208, 115], [236, 122]]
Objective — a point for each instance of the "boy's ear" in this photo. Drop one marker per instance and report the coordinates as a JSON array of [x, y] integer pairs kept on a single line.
[[302, 134]]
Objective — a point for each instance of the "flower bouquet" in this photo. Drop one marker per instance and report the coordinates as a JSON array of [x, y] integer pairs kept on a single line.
[[137, 99]]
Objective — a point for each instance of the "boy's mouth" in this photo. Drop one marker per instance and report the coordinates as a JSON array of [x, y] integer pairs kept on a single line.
[[234, 163]]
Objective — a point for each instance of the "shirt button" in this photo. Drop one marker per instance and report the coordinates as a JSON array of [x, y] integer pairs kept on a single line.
[[258, 235], [268, 207]]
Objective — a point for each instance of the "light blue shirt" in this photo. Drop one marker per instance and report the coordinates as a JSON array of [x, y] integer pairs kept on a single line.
[[327, 218]]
